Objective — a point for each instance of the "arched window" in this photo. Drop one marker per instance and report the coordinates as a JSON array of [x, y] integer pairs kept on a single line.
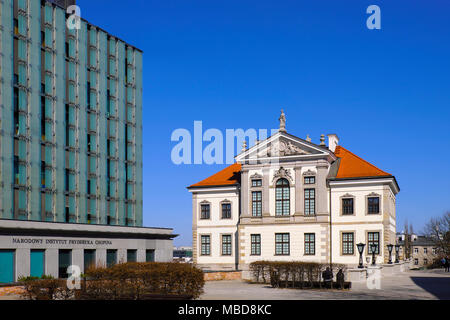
[[282, 198]]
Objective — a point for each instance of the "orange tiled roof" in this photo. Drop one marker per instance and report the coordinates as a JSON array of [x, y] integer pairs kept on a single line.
[[227, 176], [352, 166]]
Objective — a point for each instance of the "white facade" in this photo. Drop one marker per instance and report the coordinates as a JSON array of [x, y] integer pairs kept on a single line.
[[287, 203]]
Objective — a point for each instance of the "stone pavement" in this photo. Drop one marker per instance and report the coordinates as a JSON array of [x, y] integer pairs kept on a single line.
[[407, 285]]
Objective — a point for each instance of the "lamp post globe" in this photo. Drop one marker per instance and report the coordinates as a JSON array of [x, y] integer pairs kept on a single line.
[[373, 248], [360, 247]]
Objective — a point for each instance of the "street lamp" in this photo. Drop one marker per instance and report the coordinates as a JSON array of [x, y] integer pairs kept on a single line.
[[360, 247], [373, 247], [397, 249], [390, 246]]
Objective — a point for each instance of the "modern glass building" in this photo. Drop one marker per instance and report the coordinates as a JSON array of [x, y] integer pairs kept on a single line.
[[70, 121]]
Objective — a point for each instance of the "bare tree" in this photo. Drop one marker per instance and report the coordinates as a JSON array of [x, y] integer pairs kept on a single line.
[[407, 240], [438, 230]]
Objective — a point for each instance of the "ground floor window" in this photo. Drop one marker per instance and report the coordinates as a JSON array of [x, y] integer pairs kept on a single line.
[[256, 244], [205, 245], [37, 263], [131, 255], [111, 257], [150, 255], [373, 237], [89, 259], [65, 260], [7, 266], [310, 244], [347, 243], [226, 244], [282, 244]]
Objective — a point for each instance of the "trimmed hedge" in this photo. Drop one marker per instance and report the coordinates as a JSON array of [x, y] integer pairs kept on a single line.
[[143, 280], [125, 281], [294, 274]]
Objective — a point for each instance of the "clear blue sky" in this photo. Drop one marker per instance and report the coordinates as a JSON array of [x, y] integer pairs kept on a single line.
[[236, 63]]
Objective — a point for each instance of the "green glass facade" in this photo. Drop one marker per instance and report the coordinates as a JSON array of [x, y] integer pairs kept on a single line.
[[70, 120]]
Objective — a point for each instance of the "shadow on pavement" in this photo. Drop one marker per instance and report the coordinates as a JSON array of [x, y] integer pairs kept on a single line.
[[438, 286]]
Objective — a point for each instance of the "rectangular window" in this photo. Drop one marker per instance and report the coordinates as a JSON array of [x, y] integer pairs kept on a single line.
[[131, 255], [256, 183], [37, 263], [89, 259], [373, 237], [205, 245], [226, 245], [282, 244], [310, 180], [347, 206], [111, 257], [425, 261], [425, 250], [204, 211], [310, 243], [256, 203], [373, 205], [416, 261], [150, 255], [65, 260], [347, 243], [226, 210], [416, 250], [310, 202], [255, 244]]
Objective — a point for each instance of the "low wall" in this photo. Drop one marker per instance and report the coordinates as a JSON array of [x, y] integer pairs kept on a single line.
[[222, 275]]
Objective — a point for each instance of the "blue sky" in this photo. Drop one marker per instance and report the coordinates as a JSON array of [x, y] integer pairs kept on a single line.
[[235, 64]]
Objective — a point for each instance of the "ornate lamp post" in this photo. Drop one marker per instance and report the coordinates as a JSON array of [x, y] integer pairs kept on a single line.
[[360, 247], [397, 249], [373, 248], [390, 246]]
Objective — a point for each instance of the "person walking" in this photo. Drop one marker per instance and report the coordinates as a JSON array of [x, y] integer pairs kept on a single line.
[[447, 265]]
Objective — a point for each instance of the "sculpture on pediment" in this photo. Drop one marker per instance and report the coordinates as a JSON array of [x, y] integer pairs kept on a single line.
[[282, 120], [284, 148], [282, 173]]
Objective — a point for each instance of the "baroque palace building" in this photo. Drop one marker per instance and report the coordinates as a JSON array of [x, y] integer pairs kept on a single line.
[[70, 145], [289, 199]]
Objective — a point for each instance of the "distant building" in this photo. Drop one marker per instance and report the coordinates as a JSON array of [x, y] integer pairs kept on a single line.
[[183, 254], [423, 250]]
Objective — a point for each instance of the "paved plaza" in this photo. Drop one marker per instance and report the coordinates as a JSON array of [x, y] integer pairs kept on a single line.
[[407, 285]]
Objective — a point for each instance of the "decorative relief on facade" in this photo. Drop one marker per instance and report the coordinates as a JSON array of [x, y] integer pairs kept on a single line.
[[282, 173], [309, 172], [283, 148], [256, 176]]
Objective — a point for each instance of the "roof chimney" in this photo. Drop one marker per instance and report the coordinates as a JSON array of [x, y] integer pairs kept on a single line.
[[333, 141]]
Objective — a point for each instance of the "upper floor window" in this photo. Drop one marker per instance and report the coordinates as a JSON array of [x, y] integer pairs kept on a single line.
[[282, 201], [256, 203], [425, 261], [282, 244], [310, 202], [205, 211], [310, 180], [347, 206], [256, 183], [373, 204], [226, 210], [416, 250], [425, 250]]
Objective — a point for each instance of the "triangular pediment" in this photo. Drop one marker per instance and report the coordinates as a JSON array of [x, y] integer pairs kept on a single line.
[[282, 146]]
